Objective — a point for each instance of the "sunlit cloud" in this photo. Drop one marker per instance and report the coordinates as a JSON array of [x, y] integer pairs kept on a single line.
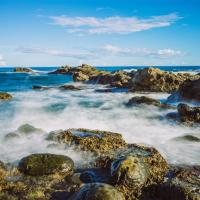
[[2, 61], [115, 24]]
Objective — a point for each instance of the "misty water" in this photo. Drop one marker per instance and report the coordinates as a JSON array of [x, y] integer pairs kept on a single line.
[[56, 109]]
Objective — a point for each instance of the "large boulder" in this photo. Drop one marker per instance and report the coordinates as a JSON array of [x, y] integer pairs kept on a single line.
[[97, 191], [44, 164], [156, 80], [22, 70], [188, 91], [89, 140], [134, 168], [117, 79], [5, 96]]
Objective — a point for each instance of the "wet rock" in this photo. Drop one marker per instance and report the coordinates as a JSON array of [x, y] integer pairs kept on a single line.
[[156, 80], [138, 100], [44, 164], [189, 91], [63, 70], [2, 170], [5, 96], [97, 191], [22, 70], [69, 87], [186, 114], [183, 184], [89, 140], [134, 168], [130, 171]]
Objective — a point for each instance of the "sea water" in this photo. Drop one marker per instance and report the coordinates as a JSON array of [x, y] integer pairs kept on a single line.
[[56, 109]]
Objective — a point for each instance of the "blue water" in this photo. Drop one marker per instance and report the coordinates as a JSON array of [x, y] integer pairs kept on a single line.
[[11, 82]]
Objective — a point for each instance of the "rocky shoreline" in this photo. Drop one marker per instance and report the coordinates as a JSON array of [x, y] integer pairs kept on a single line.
[[118, 170]]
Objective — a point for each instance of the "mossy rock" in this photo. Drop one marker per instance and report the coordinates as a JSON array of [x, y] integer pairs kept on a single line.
[[96, 141], [44, 164], [5, 96], [130, 170], [97, 191], [2, 170]]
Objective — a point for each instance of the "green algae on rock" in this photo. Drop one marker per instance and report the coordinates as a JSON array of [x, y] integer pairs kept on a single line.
[[90, 140], [44, 164], [5, 96], [97, 191]]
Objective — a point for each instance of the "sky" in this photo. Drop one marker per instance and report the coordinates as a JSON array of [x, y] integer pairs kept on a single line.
[[99, 32]]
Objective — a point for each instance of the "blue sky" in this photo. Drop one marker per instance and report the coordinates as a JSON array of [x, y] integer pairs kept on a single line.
[[99, 32]]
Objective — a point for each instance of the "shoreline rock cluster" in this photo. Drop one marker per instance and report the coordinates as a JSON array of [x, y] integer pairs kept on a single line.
[[119, 170]]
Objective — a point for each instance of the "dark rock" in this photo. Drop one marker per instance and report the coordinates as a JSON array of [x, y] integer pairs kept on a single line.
[[186, 114], [44, 164], [22, 70], [63, 70], [188, 91], [90, 140], [37, 87], [156, 80], [5, 96], [69, 87], [97, 191]]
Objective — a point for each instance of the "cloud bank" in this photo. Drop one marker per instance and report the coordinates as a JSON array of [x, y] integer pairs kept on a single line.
[[116, 24], [2, 61]]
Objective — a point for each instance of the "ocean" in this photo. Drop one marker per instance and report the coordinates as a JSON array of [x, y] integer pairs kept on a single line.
[[54, 109]]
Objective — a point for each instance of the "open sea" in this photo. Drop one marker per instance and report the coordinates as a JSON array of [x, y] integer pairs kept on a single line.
[[54, 109]]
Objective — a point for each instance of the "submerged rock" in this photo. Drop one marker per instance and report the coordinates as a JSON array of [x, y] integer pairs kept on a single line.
[[38, 87], [189, 138], [156, 80], [11, 136], [97, 191], [22, 69], [44, 164], [69, 87], [28, 129], [189, 91], [90, 140], [5, 96]]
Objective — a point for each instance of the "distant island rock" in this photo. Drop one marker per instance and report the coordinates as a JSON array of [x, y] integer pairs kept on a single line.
[[22, 69]]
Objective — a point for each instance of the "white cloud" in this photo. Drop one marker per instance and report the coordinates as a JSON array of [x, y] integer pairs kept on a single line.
[[78, 55], [2, 61], [140, 52], [121, 25]]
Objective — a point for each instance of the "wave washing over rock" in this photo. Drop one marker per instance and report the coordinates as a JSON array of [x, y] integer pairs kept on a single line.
[[107, 134]]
